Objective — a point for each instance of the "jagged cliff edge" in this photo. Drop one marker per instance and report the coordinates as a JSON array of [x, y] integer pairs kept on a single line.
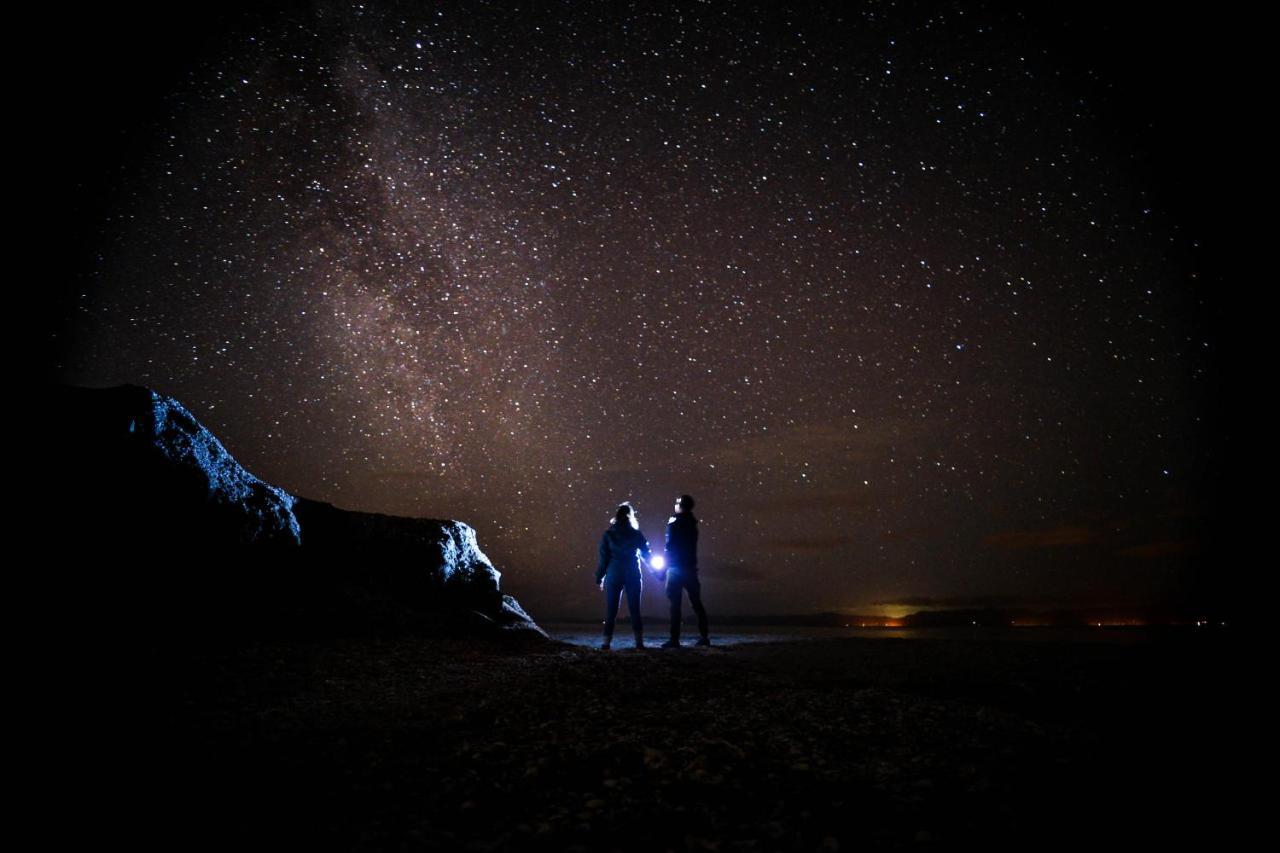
[[148, 479]]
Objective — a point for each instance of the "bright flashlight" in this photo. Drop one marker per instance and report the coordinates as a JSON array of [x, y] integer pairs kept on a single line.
[[657, 562]]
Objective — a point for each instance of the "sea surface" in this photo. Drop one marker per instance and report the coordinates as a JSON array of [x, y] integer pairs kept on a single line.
[[589, 634]]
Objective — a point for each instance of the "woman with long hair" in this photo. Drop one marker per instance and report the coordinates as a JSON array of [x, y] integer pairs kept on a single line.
[[622, 550]]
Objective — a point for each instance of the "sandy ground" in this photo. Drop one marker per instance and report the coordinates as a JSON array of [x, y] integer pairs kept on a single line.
[[798, 745]]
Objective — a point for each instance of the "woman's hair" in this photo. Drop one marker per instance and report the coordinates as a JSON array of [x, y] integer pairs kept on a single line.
[[626, 514]]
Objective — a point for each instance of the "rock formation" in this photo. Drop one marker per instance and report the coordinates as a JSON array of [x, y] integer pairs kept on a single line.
[[136, 476]]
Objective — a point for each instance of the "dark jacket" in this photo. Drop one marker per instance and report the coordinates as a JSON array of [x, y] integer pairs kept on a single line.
[[620, 550], [682, 543]]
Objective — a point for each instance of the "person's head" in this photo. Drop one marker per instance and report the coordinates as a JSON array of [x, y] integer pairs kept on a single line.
[[626, 517], [684, 503]]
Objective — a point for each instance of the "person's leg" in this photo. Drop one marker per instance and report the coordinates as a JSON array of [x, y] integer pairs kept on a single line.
[[634, 587], [694, 586], [612, 597], [673, 596]]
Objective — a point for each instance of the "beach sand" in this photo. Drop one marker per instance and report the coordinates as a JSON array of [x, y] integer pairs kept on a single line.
[[840, 744]]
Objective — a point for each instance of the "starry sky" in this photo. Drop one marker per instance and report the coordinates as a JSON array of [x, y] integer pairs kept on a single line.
[[915, 299]]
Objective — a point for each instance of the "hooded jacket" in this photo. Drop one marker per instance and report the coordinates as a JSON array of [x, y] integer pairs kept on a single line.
[[620, 551], [682, 543]]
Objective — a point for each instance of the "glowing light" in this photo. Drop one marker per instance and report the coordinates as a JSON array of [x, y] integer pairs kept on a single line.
[[658, 562]]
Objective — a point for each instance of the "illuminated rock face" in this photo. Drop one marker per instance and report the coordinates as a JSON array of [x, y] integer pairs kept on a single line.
[[135, 475], [417, 558], [142, 468]]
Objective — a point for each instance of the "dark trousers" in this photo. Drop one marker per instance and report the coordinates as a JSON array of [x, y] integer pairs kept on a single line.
[[613, 587], [686, 582]]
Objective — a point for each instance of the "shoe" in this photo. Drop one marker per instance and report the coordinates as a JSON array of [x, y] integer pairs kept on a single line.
[[703, 641], [671, 644]]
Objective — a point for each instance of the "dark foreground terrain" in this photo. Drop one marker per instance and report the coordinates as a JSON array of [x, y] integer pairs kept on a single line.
[[819, 745]]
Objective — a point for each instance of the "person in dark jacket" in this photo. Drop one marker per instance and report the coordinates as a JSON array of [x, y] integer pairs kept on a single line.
[[682, 570], [622, 548]]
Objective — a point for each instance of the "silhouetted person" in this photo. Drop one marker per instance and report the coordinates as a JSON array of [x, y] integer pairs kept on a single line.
[[682, 570], [622, 548]]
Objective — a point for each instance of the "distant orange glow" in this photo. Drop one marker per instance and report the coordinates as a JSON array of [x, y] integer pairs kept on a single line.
[[872, 614], [898, 616]]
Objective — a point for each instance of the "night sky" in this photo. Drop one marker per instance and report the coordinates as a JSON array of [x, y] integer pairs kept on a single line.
[[914, 299]]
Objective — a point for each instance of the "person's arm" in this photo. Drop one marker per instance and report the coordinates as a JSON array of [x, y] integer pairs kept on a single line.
[[644, 548], [603, 562], [678, 541], [666, 548]]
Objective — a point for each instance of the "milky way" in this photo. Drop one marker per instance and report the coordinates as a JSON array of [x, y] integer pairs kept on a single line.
[[888, 291]]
